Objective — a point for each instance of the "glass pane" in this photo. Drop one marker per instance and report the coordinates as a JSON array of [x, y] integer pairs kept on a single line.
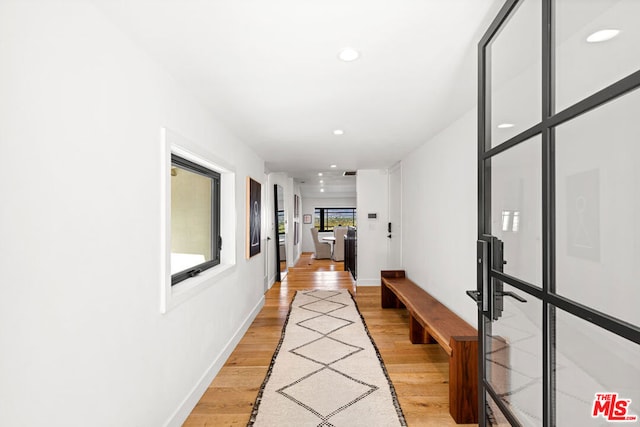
[[190, 219], [598, 208], [339, 218], [516, 73], [516, 209], [591, 360], [281, 228], [584, 67], [514, 357]]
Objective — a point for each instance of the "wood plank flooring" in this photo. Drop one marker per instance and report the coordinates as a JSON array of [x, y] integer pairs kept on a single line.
[[420, 373]]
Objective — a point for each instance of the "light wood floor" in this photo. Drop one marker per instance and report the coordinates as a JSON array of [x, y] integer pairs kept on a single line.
[[420, 373]]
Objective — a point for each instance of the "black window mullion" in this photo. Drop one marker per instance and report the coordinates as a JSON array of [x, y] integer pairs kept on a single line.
[[194, 167], [609, 93], [517, 283], [217, 238], [548, 216], [324, 220], [506, 412], [602, 320]]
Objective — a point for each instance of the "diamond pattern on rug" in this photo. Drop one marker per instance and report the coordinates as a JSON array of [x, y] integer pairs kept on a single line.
[[324, 324], [323, 306], [322, 294], [326, 392], [326, 350]]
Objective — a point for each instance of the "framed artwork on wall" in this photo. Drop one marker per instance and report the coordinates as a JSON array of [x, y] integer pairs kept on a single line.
[[306, 219], [254, 209]]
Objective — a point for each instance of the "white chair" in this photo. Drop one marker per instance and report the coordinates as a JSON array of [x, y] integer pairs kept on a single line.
[[338, 246], [323, 249]]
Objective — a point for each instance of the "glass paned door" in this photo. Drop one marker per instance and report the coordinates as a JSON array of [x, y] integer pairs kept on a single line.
[[558, 202]]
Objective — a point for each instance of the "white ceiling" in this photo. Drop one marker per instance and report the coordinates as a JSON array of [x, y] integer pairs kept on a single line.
[[269, 71]]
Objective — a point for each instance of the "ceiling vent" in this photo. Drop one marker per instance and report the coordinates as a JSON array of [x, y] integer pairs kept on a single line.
[[349, 173]]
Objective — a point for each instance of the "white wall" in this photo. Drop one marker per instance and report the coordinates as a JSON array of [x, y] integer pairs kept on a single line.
[[309, 206], [373, 197], [439, 215], [80, 328]]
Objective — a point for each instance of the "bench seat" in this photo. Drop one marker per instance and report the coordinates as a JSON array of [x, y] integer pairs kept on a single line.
[[431, 322]]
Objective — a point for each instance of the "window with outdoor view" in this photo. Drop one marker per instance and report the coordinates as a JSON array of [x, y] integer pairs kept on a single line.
[[328, 218]]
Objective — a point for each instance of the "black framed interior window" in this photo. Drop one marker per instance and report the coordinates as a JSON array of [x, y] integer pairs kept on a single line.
[[328, 218], [195, 219]]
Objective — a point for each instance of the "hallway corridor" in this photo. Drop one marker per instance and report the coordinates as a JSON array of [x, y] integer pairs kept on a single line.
[[419, 372]]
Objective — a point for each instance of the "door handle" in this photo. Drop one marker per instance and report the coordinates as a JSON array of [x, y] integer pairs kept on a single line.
[[475, 295], [512, 295]]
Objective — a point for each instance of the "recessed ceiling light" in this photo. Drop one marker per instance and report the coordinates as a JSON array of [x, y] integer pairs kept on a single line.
[[602, 35], [319, 173], [505, 125], [338, 132], [348, 54], [334, 166], [322, 190], [321, 181]]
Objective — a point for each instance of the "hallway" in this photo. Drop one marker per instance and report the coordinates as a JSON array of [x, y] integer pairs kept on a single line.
[[419, 372]]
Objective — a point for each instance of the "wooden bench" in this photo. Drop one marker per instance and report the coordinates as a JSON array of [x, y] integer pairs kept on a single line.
[[429, 322]]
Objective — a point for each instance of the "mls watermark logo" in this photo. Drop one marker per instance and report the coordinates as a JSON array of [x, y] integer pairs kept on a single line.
[[612, 408]]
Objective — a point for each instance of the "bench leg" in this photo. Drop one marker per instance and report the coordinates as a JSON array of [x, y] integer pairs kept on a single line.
[[388, 298], [417, 333], [463, 380]]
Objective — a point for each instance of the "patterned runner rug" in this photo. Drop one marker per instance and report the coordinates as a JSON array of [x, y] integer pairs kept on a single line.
[[326, 370]]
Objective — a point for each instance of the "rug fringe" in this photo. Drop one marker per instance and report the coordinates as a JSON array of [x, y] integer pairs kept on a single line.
[[394, 395], [256, 404]]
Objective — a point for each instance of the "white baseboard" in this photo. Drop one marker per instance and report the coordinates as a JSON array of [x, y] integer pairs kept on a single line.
[[368, 282], [180, 415]]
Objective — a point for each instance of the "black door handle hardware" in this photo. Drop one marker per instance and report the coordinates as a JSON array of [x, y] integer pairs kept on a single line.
[[389, 235], [512, 295], [475, 295]]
